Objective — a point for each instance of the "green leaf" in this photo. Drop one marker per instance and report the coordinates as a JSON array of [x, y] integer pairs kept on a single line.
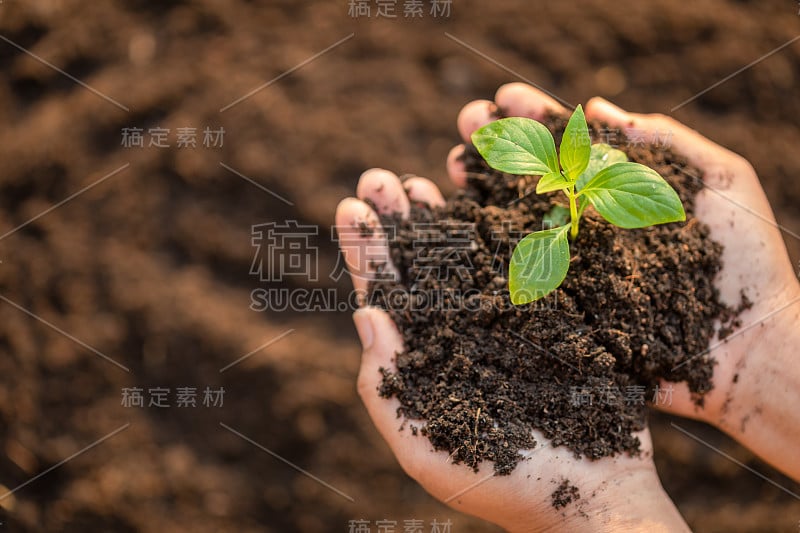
[[538, 265], [630, 195], [575, 145], [518, 146], [552, 181], [557, 216], [602, 156]]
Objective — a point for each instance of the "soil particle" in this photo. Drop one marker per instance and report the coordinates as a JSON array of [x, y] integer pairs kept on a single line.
[[565, 494], [365, 230]]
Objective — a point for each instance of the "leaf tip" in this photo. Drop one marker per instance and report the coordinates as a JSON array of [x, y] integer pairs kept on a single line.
[[517, 298]]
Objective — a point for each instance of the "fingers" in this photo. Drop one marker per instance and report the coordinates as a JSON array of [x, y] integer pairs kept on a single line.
[[700, 151], [381, 342], [392, 196], [522, 100], [384, 189], [424, 191], [456, 168], [515, 100], [474, 115], [363, 242]]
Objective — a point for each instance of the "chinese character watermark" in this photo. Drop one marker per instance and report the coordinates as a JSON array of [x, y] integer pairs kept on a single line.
[[284, 250], [614, 395], [389, 9], [411, 525], [663, 395], [630, 137], [440, 252], [162, 397], [158, 137]]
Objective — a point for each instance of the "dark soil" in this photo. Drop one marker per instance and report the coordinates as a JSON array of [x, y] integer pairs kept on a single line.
[[637, 306], [152, 266], [565, 494]]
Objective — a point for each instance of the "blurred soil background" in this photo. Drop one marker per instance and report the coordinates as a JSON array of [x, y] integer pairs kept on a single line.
[[152, 265]]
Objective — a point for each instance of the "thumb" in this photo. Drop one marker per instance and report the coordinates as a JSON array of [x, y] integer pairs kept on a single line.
[[658, 128], [381, 342], [604, 110]]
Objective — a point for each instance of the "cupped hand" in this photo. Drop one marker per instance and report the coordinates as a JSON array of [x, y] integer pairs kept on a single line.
[[617, 493], [755, 377]]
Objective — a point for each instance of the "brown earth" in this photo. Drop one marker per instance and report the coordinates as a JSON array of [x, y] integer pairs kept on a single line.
[[151, 267]]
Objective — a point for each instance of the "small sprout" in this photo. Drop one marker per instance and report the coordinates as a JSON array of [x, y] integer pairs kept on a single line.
[[628, 195]]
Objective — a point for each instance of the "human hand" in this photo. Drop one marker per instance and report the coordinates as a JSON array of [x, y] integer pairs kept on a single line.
[[617, 493], [755, 378]]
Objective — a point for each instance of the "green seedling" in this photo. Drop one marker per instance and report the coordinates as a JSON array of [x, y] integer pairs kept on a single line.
[[626, 194]]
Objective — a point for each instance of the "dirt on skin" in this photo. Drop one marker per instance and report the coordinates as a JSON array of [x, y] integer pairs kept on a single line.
[[637, 307], [565, 494]]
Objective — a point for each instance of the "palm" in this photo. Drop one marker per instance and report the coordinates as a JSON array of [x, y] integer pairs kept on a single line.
[[735, 208], [527, 491], [733, 205]]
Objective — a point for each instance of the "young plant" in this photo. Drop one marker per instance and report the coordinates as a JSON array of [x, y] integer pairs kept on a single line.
[[628, 195]]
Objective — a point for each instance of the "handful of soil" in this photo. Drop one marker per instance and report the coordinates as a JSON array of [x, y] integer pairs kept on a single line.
[[580, 364]]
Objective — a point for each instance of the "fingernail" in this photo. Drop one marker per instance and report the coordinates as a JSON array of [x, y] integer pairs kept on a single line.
[[364, 328]]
